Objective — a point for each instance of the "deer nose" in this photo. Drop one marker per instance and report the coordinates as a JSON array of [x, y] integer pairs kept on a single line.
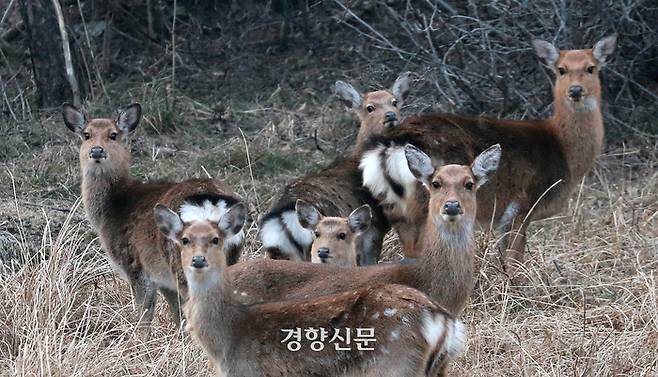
[[97, 152], [452, 208], [199, 261], [575, 92], [390, 116], [323, 252]]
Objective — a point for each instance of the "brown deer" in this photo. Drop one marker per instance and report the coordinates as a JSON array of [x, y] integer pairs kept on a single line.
[[411, 335], [335, 237], [544, 159], [337, 189], [378, 110], [444, 270], [120, 208]]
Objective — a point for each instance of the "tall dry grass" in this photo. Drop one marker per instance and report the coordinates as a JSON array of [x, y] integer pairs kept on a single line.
[[588, 306]]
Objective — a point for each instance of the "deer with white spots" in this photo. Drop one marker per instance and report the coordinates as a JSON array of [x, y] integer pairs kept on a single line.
[[120, 208], [336, 190], [413, 335], [335, 237], [544, 160]]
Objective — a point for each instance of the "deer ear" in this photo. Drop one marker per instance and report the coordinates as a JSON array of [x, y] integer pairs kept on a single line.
[[604, 48], [359, 219], [348, 95], [486, 164], [546, 51], [400, 87], [233, 220], [307, 214], [419, 163], [129, 117], [74, 119], [168, 221]]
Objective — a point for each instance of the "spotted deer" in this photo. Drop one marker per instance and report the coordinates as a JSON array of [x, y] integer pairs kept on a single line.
[[444, 270], [413, 335], [544, 159], [119, 208], [336, 190], [335, 237]]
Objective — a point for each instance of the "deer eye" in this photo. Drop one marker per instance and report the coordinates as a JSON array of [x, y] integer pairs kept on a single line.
[[436, 184], [317, 234], [590, 69], [215, 240], [469, 186], [342, 236], [185, 240], [86, 135], [113, 136], [394, 103], [562, 71], [370, 108]]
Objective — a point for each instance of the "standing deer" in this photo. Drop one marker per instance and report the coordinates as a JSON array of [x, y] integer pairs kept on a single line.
[[335, 237], [444, 270], [544, 159], [120, 209], [337, 189], [412, 335]]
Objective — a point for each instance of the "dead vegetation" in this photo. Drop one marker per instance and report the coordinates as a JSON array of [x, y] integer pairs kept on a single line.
[[253, 105]]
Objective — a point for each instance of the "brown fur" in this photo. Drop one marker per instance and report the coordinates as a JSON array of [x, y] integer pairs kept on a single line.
[[121, 210], [246, 340], [444, 271], [536, 154]]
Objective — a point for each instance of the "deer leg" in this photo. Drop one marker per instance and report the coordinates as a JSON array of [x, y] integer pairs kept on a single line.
[[144, 297], [174, 300], [515, 246]]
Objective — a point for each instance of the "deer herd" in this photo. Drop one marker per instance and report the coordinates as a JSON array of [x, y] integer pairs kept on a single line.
[[433, 178]]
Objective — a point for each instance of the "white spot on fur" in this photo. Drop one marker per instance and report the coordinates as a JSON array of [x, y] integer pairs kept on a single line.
[[204, 212], [456, 339], [273, 235], [375, 316], [433, 328], [374, 179], [243, 294], [390, 312], [395, 335]]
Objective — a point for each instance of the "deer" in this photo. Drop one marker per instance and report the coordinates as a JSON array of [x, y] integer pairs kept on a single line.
[[335, 237], [336, 190], [544, 159], [413, 336], [444, 270], [119, 208]]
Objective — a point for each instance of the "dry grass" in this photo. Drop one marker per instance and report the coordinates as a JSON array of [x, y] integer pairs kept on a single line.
[[588, 306]]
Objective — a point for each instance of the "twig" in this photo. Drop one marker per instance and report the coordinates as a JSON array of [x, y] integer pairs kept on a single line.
[[173, 56], [70, 73]]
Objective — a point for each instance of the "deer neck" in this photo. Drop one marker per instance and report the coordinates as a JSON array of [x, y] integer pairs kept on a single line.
[[98, 187], [214, 311], [445, 269], [581, 132]]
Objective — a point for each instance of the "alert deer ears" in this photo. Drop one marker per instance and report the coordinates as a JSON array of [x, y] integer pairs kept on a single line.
[[420, 164], [400, 87], [350, 97], [307, 214], [74, 119], [359, 219], [546, 51], [168, 221], [604, 48], [233, 220], [129, 117], [485, 165]]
